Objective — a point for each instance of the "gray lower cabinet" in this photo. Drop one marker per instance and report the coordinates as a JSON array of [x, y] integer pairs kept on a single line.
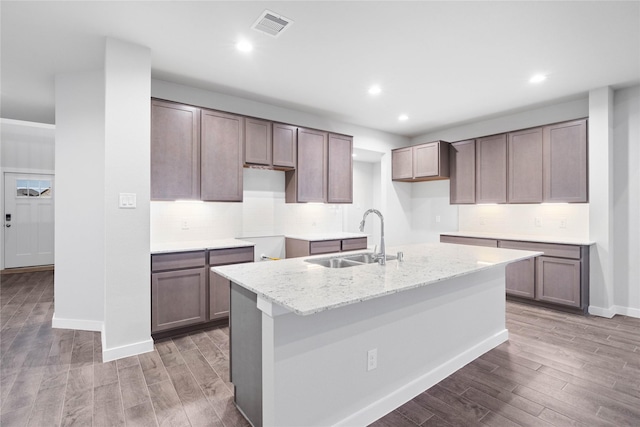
[[560, 276], [558, 280], [178, 290], [295, 248], [219, 286]]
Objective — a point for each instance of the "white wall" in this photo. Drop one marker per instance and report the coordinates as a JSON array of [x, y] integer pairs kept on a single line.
[[127, 320], [626, 200], [79, 208]]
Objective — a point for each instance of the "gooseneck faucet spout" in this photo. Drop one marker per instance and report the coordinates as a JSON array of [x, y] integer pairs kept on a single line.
[[381, 256]]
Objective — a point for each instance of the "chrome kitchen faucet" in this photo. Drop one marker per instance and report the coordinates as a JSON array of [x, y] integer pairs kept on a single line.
[[382, 256]]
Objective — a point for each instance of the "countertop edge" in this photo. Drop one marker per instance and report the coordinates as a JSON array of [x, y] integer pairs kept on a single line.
[[521, 238]]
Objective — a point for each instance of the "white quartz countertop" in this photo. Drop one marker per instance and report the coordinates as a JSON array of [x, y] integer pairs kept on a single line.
[[522, 237], [307, 288], [315, 237], [199, 245]]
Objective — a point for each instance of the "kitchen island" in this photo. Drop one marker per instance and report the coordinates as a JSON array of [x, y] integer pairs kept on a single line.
[[311, 345]]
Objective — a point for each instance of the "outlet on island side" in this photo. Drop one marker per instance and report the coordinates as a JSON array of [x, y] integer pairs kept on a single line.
[[372, 359]]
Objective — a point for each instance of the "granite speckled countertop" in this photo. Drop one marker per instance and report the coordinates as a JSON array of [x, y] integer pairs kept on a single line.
[[316, 237], [522, 237], [307, 288], [198, 245]]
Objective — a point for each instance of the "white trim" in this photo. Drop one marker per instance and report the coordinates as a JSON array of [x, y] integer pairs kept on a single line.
[[25, 123], [413, 388], [28, 170], [78, 324], [613, 310], [109, 354]]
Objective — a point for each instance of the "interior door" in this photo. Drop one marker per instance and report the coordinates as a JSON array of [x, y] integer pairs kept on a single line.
[[28, 220]]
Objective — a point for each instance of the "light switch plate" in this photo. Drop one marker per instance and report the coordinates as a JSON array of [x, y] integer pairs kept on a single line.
[[127, 201]]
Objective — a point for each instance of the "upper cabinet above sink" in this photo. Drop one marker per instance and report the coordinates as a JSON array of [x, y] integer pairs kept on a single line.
[[424, 162]]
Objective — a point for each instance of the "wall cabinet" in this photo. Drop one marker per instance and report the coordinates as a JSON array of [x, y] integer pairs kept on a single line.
[[175, 151], [222, 135], [295, 248], [178, 290], [524, 184], [565, 173], [424, 162], [560, 276], [491, 169], [462, 167], [268, 144], [324, 171]]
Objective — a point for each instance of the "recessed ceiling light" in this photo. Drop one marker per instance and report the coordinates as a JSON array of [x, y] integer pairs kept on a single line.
[[403, 117], [244, 46], [538, 78], [375, 90]]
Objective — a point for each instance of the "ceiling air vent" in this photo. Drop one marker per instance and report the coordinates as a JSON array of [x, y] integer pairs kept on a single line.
[[271, 23]]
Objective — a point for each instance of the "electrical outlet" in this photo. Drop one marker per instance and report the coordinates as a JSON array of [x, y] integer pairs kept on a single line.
[[372, 359], [437, 218], [563, 223], [184, 224], [538, 222], [482, 220]]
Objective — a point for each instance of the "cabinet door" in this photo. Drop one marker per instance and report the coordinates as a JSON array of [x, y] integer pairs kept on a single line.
[[340, 173], [312, 166], [222, 136], [525, 166], [257, 142], [491, 172], [402, 163], [520, 278], [219, 289], [462, 165], [565, 162], [285, 141], [175, 151], [178, 298], [558, 281], [425, 160]]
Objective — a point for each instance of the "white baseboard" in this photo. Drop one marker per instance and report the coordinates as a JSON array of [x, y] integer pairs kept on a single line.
[[109, 354], [613, 310], [410, 390], [79, 324]]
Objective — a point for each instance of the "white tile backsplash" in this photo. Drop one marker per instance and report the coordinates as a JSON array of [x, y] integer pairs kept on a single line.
[[557, 219], [263, 212]]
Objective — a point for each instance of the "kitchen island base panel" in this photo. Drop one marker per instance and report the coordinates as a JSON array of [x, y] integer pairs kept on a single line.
[[314, 368]]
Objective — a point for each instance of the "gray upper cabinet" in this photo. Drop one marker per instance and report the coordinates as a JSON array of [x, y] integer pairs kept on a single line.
[[491, 169], [308, 183], [340, 169], [221, 158], [257, 142], [565, 162], [175, 151], [462, 167], [285, 142], [424, 162], [525, 166], [402, 164]]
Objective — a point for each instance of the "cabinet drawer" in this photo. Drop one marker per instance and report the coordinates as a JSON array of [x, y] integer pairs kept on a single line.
[[469, 241], [324, 247], [549, 249], [354, 244], [177, 260], [230, 256]]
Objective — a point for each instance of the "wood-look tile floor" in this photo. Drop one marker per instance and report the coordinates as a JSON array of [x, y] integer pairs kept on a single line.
[[556, 369]]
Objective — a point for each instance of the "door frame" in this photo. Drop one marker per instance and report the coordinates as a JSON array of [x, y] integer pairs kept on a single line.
[[3, 172]]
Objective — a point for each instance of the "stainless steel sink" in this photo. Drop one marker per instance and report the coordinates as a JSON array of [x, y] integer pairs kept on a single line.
[[347, 260]]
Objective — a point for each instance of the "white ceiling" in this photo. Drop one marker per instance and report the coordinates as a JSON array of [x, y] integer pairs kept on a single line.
[[438, 62]]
